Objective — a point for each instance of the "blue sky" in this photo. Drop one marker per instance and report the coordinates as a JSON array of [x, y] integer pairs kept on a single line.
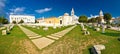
[[50, 8]]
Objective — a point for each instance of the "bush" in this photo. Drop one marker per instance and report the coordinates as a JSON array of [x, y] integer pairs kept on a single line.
[[119, 39], [14, 22], [21, 21]]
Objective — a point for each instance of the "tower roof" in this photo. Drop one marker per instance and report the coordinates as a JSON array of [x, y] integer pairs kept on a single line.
[[101, 13], [72, 10]]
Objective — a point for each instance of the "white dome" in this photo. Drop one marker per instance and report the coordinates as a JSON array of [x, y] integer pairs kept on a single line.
[[66, 14]]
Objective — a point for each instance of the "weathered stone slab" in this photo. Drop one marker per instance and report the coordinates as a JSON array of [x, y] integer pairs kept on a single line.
[[98, 48], [53, 37], [42, 42], [57, 35], [33, 37]]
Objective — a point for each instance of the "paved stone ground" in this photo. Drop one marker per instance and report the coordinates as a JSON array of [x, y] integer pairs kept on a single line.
[[42, 42]]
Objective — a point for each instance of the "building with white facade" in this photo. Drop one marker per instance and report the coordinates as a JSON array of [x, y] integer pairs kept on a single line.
[[66, 19], [116, 20], [25, 18], [63, 20], [69, 19]]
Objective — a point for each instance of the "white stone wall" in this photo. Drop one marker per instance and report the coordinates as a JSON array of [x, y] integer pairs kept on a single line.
[[25, 18], [66, 20]]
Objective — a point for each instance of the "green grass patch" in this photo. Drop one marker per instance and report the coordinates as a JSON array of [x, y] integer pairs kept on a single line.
[[50, 30], [76, 43], [14, 43]]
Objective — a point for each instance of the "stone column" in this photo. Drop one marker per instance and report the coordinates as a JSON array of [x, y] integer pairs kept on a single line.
[[103, 28], [82, 25]]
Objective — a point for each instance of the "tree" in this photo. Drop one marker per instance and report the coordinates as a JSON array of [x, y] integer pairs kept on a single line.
[[82, 19], [92, 20], [3, 20], [107, 17], [36, 21], [98, 19], [21, 21], [14, 22]]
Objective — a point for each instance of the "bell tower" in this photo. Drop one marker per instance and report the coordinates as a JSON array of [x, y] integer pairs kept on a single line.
[[72, 12], [101, 16]]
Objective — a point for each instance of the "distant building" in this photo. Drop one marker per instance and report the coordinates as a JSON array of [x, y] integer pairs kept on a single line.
[[25, 18], [112, 20], [64, 20], [40, 20], [67, 19], [116, 20], [52, 20]]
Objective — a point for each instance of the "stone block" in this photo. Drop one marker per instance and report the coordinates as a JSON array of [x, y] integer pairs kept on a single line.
[[46, 28], [4, 32], [54, 27], [97, 29], [98, 48], [84, 29], [86, 33]]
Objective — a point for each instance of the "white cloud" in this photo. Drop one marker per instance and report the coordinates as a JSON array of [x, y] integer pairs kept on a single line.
[[17, 10], [93, 16], [43, 10]]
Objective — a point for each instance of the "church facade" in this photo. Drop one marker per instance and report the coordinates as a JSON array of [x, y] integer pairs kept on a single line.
[[64, 20], [69, 19]]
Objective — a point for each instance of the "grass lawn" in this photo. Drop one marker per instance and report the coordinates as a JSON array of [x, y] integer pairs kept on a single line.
[[48, 32], [75, 42], [16, 43]]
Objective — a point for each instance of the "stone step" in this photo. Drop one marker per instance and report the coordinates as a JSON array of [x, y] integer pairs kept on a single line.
[[52, 37], [42, 42], [34, 37], [57, 35], [32, 34]]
